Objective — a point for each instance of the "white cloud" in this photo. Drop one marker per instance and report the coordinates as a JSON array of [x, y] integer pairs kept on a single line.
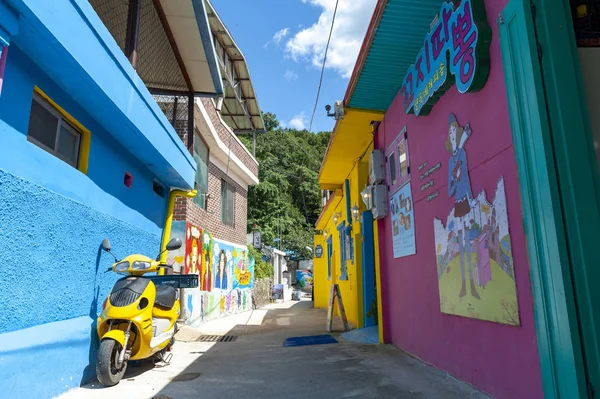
[[280, 35], [290, 75], [351, 22], [297, 122]]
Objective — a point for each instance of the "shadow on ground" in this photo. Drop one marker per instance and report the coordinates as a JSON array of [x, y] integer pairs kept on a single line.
[[256, 365]]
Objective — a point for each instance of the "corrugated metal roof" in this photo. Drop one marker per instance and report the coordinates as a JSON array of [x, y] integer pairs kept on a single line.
[[398, 38], [240, 107]]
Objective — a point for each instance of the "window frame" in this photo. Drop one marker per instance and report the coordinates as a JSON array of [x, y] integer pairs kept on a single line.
[[60, 123], [201, 198], [392, 157], [70, 123], [227, 187]]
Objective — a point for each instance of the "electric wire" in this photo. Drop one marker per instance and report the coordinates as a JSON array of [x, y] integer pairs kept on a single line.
[[323, 67]]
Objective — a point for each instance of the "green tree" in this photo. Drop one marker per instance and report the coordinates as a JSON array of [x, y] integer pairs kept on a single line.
[[271, 122], [287, 201]]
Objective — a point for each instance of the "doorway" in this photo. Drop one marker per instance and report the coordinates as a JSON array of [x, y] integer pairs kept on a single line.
[[550, 83]]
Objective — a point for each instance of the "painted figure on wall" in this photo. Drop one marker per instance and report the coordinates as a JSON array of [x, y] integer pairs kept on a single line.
[[459, 187], [221, 276], [177, 258], [206, 272], [475, 239], [193, 248]]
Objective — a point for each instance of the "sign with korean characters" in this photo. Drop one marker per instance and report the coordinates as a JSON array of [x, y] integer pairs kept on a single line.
[[457, 45]]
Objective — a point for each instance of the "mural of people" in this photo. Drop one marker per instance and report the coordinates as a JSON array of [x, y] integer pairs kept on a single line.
[[206, 273], [221, 276], [459, 187]]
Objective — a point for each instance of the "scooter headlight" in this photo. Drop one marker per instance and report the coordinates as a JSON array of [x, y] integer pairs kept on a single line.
[[139, 265], [122, 266]]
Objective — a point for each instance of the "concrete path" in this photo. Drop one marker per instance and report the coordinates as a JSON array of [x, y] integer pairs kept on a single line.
[[256, 365]]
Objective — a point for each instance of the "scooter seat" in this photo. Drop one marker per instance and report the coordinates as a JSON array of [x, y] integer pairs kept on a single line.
[[165, 296]]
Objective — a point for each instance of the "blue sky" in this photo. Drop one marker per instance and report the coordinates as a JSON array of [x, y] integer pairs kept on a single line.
[[284, 43]]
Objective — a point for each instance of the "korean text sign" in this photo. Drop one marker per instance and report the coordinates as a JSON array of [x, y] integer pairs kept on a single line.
[[457, 45]]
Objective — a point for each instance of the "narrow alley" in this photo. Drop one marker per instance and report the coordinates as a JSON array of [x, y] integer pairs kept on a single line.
[[256, 365]]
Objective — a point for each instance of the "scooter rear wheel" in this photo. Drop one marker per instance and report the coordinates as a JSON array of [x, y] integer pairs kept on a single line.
[[107, 371]]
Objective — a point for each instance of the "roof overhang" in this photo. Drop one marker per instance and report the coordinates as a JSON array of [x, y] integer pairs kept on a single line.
[[240, 110], [392, 42], [220, 150], [175, 52], [349, 141], [327, 212], [189, 25]]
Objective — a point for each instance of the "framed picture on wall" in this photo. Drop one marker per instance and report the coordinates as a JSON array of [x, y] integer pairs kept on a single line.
[[398, 162]]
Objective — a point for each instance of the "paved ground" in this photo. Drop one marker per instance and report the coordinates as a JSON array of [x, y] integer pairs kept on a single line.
[[256, 365]]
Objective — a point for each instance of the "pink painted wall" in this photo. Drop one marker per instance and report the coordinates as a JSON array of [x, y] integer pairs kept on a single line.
[[498, 359]]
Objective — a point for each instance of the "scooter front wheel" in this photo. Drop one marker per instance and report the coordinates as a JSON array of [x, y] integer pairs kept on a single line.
[[107, 370]]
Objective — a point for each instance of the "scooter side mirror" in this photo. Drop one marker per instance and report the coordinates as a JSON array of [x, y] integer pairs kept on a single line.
[[106, 245], [174, 244]]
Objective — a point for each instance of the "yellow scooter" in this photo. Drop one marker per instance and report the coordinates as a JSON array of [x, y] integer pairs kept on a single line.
[[138, 319]]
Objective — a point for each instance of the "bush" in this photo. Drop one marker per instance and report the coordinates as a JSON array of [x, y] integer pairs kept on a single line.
[[262, 269]]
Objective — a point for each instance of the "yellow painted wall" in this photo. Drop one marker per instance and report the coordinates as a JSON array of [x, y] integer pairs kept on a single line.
[[351, 289], [321, 284]]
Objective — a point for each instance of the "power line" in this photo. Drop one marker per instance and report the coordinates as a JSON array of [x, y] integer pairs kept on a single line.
[[323, 67]]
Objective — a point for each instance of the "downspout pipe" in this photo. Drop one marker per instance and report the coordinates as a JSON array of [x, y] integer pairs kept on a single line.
[[166, 236]]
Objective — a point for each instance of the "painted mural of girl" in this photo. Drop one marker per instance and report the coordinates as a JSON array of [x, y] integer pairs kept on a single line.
[[459, 186], [221, 277], [206, 286]]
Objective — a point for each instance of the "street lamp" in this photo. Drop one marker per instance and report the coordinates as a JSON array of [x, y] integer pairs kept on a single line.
[[367, 196], [355, 212], [336, 217]]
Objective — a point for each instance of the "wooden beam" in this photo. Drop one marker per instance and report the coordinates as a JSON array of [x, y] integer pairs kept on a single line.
[[173, 43], [132, 31]]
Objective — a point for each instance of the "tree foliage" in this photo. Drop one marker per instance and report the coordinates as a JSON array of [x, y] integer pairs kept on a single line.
[[287, 201]]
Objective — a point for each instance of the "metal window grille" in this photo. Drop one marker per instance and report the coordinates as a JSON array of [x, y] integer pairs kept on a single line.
[[156, 61]]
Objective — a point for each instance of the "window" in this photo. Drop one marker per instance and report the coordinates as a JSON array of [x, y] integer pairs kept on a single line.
[[392, 163], [49, 130], [329, 254], [227, 203], [344, 249], [201, 155], [403, 159]]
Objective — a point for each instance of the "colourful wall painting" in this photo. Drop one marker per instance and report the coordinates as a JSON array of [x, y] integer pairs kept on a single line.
[[473, 250], [226, 278], [232, 268], [403, 222], [304, 279], [243, 271], [193, 249], [177, 258]]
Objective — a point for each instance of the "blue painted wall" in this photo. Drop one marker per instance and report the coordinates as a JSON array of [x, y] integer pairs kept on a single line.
[[53, 218], [109, 160]]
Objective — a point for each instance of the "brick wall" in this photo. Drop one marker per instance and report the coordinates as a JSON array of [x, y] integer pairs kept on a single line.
[[210, 219], [226, 137]]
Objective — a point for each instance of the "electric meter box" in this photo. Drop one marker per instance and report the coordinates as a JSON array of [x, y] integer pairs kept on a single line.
[[376, 167], [380, 201]]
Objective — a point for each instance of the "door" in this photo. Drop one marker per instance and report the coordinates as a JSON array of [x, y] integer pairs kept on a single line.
[[557, 327], [368, 270]]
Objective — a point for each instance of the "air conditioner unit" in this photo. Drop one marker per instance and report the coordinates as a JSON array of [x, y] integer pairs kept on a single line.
[[380, 201], [376, 167]]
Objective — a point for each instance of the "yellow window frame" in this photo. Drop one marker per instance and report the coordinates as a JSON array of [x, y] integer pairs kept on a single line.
[[86, 135]]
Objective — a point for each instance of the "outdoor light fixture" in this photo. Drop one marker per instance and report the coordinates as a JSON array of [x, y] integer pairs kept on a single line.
[[366, 197], [336, 217], [326, 233], [355, 212]]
